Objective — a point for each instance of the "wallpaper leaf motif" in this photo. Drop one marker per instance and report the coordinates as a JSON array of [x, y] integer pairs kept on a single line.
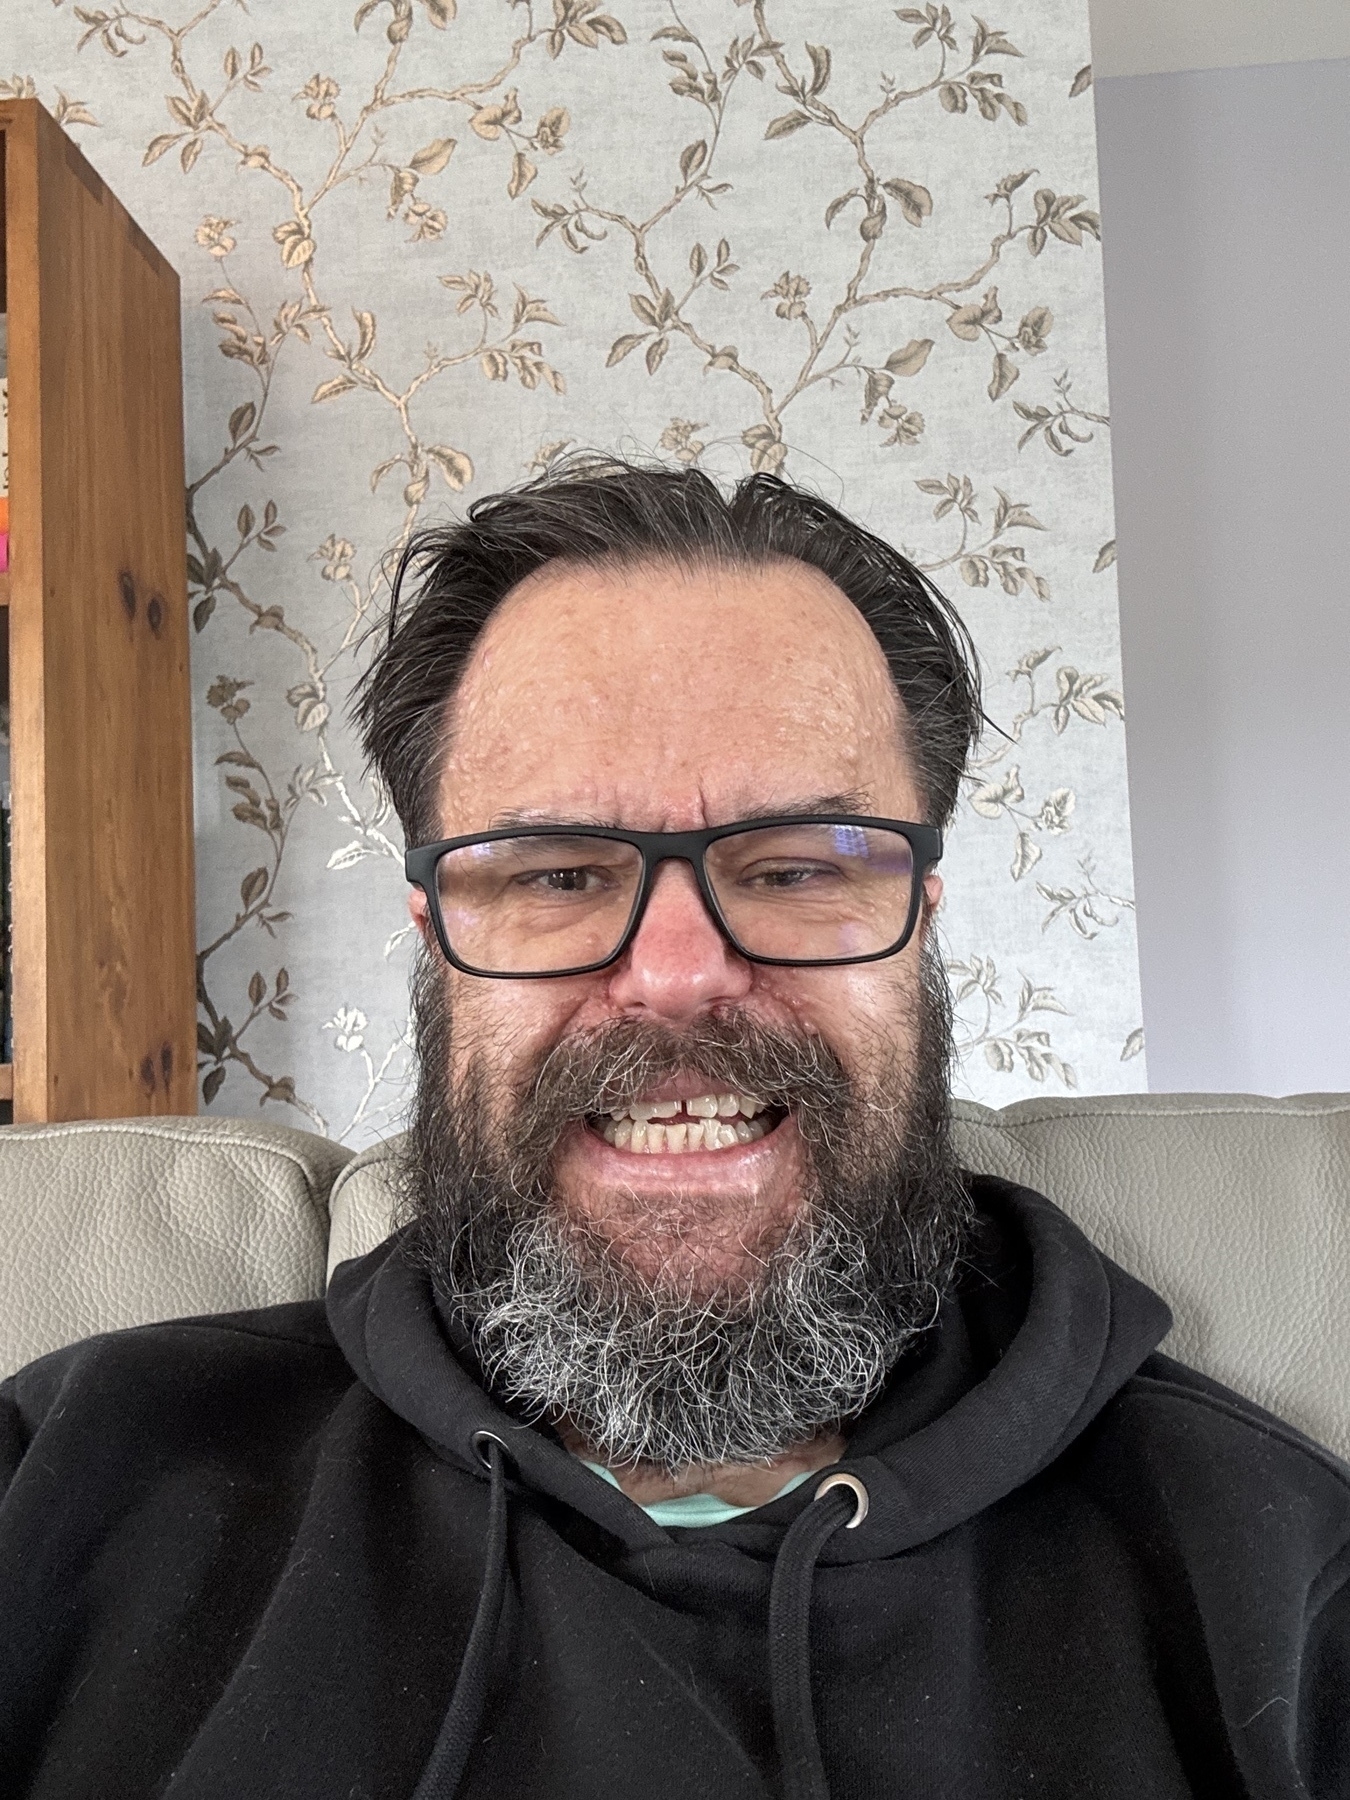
[[437, 246]]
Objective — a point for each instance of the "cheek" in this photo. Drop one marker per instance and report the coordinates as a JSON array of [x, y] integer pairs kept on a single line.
[[506, 1026], [862, 1011]]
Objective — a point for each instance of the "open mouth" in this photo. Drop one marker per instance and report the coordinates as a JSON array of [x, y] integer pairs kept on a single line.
[[676, 1127]]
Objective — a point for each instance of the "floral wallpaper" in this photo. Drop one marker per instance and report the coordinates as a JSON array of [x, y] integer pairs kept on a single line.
[[428, 245]]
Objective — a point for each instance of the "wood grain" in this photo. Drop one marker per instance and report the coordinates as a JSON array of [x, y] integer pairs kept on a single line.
[[104, 926]]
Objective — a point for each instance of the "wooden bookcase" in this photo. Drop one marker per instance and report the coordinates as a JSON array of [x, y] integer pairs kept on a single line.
[[94, 646]]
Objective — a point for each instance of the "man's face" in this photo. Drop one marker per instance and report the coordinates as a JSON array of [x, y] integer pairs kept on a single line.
[[661, 699]]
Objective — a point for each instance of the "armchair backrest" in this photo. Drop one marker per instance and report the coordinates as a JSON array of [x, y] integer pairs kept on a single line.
[[105, 1223], [1236, 1208]]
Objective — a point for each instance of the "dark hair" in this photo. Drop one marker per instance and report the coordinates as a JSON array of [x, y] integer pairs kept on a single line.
[[600, 511]]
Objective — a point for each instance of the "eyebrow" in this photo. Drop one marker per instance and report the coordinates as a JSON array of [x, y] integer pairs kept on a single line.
[[856, 801]]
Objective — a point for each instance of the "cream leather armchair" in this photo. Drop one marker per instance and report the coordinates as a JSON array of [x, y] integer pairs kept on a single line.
[[1237, 1209], [106, 1223]]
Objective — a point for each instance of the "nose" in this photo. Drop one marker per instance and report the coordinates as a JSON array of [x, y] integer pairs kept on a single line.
[[678, 964]]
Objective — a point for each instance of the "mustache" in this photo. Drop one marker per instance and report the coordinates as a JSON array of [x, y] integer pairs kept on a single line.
[[592, 1072], [622, 1060]]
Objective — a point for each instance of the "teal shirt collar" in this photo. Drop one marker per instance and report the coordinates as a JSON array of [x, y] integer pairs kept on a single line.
[[697, 1509]]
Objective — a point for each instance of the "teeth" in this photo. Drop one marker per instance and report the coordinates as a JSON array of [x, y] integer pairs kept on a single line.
[[651, 1139], [703, 1106]]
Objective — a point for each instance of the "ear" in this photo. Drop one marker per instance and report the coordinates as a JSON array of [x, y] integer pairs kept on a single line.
[[927, 915], [420, 914]]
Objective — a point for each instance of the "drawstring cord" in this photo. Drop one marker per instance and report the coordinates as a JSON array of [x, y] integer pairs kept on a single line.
[[459, 1728], [839, 1501]]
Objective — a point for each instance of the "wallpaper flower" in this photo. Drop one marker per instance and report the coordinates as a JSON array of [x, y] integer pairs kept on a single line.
[[427, 247]]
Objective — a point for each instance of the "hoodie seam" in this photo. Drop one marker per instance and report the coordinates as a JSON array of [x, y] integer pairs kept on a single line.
[[1287, 1435], [18, 1384], [205, 1324], [686, 1685], [1338, 1555], [262, 1337]]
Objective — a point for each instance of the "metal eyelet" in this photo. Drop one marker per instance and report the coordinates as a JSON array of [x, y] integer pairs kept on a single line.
[[841, 1478], [478, 1444]]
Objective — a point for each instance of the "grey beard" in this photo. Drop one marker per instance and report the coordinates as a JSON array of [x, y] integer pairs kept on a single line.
[[661, 1374]]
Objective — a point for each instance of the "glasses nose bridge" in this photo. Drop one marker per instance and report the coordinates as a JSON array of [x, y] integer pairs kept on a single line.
[[686, 847], [686, 852]]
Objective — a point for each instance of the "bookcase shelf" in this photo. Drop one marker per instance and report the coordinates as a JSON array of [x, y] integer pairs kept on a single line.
[[94, 647]]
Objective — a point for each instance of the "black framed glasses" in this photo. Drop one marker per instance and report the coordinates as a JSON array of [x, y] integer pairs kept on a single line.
[[534, 901]]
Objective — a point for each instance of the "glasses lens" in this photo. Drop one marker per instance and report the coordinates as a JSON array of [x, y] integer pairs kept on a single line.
[[810, 892], [532, 905]]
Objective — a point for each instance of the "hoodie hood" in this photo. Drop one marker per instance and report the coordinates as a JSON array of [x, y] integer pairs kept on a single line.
[[1040, 1332]]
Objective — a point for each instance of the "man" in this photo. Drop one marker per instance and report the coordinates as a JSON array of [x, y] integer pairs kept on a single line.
[[704, 1432]]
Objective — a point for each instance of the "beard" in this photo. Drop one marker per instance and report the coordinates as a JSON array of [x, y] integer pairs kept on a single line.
[[676, 1369]]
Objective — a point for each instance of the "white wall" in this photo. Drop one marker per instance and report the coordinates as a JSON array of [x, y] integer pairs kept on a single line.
[[1147, 37], [1227, 237]]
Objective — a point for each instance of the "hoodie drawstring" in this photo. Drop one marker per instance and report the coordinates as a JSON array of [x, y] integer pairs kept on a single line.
[[459, 1729], [840, 1500]]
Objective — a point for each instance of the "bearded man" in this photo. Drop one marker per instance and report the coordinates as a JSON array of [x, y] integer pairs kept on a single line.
[[704, 1431]]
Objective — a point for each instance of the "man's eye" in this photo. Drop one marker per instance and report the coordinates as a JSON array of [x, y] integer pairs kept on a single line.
[[795, 875], [563, 881]]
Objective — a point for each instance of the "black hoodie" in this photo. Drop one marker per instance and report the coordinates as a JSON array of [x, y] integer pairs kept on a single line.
[[304, 1555]]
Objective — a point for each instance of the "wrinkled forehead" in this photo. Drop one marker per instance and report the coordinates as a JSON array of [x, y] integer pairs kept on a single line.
[[660, 680]]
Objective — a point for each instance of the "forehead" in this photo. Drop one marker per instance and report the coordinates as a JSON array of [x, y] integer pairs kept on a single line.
[[660, 696]]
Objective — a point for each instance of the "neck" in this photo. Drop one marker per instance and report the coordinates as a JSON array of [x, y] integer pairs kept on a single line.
[[739, 1484]]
